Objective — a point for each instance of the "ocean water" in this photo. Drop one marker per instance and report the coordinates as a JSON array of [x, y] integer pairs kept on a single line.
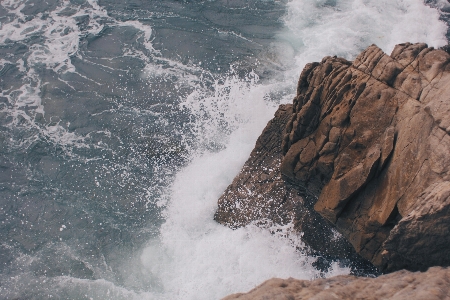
[[121, 123]]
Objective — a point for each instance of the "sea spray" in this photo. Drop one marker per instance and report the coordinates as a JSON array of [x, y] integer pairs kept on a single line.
[[345, 28], [205, 260]]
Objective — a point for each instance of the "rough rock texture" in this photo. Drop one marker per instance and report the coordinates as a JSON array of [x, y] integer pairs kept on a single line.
[[259, 195], [430, 285], [370, 139]]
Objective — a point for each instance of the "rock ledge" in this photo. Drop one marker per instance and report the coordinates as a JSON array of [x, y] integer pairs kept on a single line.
[[431, 285]]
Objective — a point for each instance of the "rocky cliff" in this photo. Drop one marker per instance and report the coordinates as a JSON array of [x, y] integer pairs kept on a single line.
[[366, 145], [371, 140]]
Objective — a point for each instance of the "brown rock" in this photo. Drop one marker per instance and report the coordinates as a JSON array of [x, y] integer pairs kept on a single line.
[[433, 284], [370, 139], [260, 195]]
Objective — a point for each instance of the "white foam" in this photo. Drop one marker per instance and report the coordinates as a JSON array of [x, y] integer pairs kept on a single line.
[[145, 29], [195, 258], [318, 28], [61, 42], [61, 38], [233, 103]]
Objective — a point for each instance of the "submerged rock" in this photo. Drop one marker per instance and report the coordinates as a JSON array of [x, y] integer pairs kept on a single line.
[[433, 284], [371, 140]]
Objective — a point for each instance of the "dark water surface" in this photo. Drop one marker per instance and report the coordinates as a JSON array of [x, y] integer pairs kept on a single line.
[[91, 128]]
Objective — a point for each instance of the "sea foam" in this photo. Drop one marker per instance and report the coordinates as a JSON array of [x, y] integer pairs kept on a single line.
[[195, 258]]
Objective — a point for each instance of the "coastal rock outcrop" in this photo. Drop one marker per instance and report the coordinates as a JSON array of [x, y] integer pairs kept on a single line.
[[430, 285], [259, 195], [366, 144], [371, 140]]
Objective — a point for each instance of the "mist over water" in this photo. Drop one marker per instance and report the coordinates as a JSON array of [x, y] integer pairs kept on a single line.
[[122, 122]]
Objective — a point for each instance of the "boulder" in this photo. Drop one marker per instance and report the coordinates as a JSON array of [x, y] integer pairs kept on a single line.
[[433, 284], [370, 140]]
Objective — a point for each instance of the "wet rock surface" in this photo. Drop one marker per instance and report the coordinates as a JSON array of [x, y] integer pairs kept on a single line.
[[259, 195], [433, 284]]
